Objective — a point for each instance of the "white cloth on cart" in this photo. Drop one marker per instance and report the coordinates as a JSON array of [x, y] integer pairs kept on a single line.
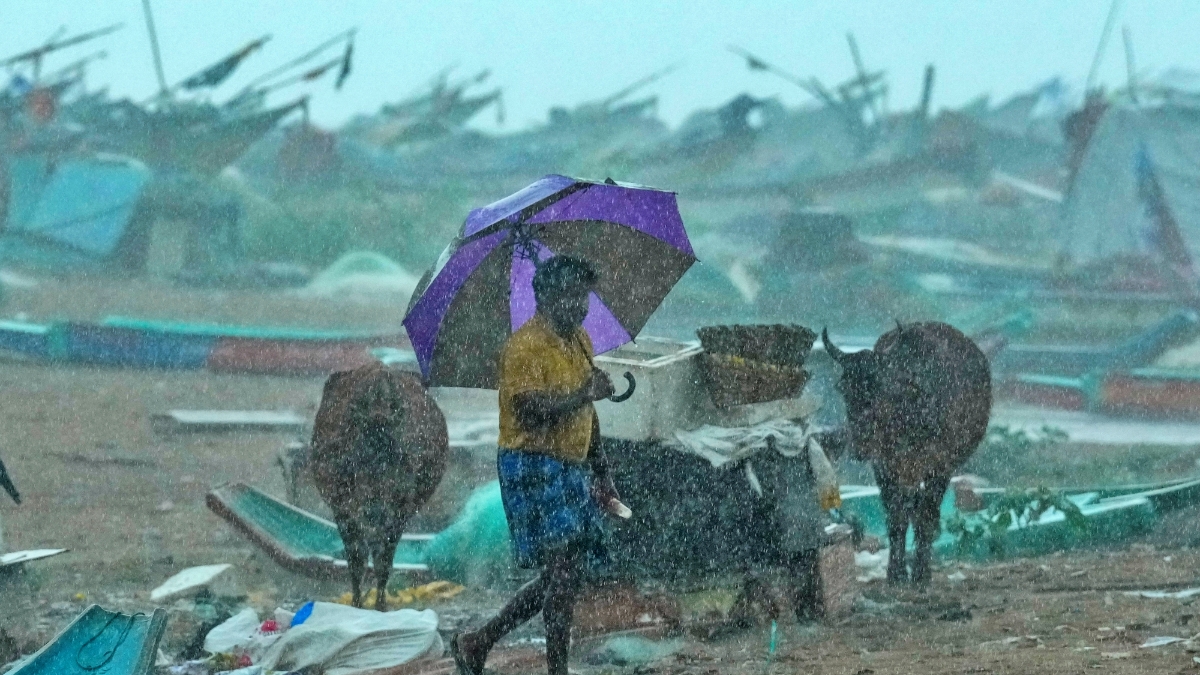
[[795, 479]]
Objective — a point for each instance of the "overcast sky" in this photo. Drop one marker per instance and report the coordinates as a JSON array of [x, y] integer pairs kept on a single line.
[[547, 52]]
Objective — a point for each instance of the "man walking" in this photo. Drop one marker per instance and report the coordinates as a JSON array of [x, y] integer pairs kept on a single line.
[[553, 475]]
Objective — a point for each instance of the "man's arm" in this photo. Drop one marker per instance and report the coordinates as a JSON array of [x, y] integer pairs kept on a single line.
[[604, 490], [596, 457], [541, 410], [598, 461]]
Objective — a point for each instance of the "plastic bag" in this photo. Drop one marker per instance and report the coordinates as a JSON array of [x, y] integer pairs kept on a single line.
[[242, 634], [828, 492]]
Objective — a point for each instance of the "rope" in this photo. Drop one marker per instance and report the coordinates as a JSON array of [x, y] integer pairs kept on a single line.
[[109, 655]]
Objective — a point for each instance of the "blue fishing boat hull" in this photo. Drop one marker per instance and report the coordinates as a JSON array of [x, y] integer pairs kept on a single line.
[[101, 641], [30, 339], [108, 346]]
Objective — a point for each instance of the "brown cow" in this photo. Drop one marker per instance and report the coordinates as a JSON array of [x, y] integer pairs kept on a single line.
[[379, 450], [917, 404]]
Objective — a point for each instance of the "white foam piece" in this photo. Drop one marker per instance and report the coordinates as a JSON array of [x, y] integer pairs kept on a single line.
[[189, 580]]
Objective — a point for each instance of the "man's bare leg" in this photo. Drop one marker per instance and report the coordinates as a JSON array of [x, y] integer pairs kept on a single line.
[[563, 580], [560, 577], [474, 646]]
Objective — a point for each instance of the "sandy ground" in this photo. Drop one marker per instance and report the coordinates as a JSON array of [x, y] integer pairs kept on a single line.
[[130, 506]]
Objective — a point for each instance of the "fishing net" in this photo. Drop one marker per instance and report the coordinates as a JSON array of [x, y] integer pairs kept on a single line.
[[475, 549]]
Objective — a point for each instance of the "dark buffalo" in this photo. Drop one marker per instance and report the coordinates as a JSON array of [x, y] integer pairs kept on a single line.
[[379, 450], [918, 405]]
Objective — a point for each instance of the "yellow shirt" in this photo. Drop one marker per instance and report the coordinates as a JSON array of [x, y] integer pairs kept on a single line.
[[535, 358]]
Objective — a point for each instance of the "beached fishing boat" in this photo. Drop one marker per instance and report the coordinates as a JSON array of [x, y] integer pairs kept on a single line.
[[295, 539], [101, 641], [134, 343]]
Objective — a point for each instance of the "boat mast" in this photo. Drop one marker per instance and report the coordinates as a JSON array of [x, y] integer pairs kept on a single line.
[[163, 91], [1130, 70], [1113, 9], [35, 56]]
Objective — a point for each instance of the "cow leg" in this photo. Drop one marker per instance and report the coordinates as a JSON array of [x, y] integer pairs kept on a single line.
[[896, 509], [356, 557], [383, 554], [927, 524]]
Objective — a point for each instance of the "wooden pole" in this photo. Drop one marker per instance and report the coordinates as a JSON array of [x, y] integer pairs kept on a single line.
[[1130, 74], [1108, 26], [926, 93], [158, 66]]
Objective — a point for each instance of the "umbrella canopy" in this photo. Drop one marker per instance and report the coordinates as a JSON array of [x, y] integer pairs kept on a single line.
[[481, 289]]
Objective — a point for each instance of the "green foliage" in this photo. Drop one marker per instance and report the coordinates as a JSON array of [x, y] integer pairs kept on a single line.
[[1019, 507]]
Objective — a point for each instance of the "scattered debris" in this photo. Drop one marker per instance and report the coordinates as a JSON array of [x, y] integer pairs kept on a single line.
[[242, 635], [213, 421], [1161, 641], [1022, 641], [1159, 595], [1192, 644], [871, 607], [616, 607], [21, 557], [189, 581], [430, 592], [80, 458], [871, 566], [956, 614], [625, 650], [342, 640]]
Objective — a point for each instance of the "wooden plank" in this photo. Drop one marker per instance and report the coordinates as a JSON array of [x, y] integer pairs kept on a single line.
[[21, 557], [211, 421]]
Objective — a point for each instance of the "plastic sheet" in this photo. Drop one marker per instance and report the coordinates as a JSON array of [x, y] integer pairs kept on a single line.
[[345, 641]]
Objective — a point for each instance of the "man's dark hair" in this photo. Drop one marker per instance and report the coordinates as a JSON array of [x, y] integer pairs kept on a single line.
[[560, 272]]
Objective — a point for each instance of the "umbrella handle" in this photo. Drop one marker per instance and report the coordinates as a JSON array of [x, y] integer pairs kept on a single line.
[[620, 398]]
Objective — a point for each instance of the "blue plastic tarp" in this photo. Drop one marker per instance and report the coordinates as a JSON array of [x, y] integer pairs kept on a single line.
[[84, 203]]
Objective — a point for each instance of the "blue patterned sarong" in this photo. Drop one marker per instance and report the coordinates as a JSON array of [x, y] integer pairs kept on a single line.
[[549, 505]]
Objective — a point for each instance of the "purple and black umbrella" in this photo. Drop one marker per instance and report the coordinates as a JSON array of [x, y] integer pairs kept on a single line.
[[481, 289]]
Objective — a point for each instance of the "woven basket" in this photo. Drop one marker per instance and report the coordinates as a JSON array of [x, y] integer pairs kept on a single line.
[[779, 344], [733, 380], [754, 364]]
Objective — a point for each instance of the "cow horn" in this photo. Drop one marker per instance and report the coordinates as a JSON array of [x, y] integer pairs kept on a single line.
[[834, 353]]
